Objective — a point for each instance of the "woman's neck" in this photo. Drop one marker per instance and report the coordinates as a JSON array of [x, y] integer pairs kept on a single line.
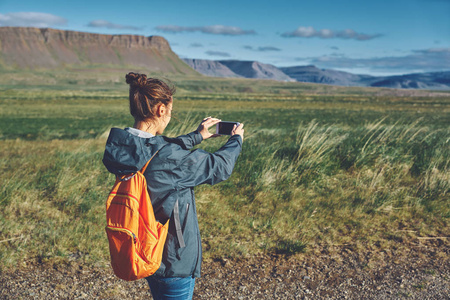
[[145, 126]]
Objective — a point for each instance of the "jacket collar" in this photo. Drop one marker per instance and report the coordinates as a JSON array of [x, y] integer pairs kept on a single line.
[[126, 153]]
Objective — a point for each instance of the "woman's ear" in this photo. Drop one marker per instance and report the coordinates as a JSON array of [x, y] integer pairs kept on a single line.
[[161, 110]]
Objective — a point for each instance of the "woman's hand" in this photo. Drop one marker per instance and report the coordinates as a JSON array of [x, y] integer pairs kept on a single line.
[[204, 126], [238, 130]]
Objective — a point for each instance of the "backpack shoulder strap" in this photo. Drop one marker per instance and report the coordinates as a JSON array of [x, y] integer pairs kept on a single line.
[[145, 166]]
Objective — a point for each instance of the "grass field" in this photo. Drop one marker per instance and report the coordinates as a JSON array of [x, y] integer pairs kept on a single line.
[[321, 166]]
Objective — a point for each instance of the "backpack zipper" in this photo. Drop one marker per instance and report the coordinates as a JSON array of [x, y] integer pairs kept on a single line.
[[121, 229]]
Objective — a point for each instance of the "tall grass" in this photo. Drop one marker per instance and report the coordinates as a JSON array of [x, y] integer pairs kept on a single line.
[[53, 202], [318, 186], [309, 177]]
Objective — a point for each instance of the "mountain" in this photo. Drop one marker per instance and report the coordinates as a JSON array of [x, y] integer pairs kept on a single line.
[[210, 67], [254, 69], [44, 48], [237, 68], [313, 74], [31, 48], [434, 80]]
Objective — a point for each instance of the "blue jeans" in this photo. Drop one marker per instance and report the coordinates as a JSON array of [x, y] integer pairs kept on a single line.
[[179, 288]]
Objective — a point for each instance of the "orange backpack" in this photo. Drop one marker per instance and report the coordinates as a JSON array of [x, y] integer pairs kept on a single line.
[[136, 239]]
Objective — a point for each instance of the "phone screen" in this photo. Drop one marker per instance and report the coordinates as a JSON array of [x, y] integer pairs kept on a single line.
[[225, 128]]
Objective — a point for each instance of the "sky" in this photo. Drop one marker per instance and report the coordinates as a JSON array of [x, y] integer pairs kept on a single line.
[[362, 37]]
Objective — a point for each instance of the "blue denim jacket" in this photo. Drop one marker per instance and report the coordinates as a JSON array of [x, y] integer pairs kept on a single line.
[[171, 176]]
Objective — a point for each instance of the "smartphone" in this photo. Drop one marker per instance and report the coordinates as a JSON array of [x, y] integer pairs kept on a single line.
[[225, 128]]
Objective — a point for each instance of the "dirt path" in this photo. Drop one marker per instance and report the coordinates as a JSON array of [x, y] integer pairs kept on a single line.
[[421, 273]]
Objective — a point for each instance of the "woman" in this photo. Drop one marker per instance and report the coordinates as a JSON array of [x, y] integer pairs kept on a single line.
[[171, 176]]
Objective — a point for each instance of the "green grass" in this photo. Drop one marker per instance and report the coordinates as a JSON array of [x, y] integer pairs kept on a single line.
[[321, 166]]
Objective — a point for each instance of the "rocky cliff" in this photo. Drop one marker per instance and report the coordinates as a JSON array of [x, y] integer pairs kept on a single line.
[[29, 48]]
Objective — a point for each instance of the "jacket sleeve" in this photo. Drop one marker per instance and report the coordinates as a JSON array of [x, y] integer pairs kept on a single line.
[[200, 166], [187, 141]]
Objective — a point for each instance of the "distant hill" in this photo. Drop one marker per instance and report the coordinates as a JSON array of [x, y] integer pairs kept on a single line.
[[254, 69], [237, 68], [313, 74], [210, 68], [30, 48], [434, 80]]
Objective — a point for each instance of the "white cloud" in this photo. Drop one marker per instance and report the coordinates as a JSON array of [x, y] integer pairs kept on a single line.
[[213, 29], [326, 33], [262, 49], [302, 32], [109, 25], [434, 50], [309, 32], [31, 19], [218, 53], [225, 30]]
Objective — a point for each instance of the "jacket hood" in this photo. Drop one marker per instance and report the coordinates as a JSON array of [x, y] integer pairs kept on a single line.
[[126, 153]]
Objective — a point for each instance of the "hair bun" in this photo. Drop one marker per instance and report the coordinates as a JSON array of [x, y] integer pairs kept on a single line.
[[136, 79]]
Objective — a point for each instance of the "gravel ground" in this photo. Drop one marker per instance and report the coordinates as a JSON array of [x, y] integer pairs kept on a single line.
[[422, 272]]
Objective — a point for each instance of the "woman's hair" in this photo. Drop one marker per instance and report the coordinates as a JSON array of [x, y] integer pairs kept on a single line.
[[146, 93]]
